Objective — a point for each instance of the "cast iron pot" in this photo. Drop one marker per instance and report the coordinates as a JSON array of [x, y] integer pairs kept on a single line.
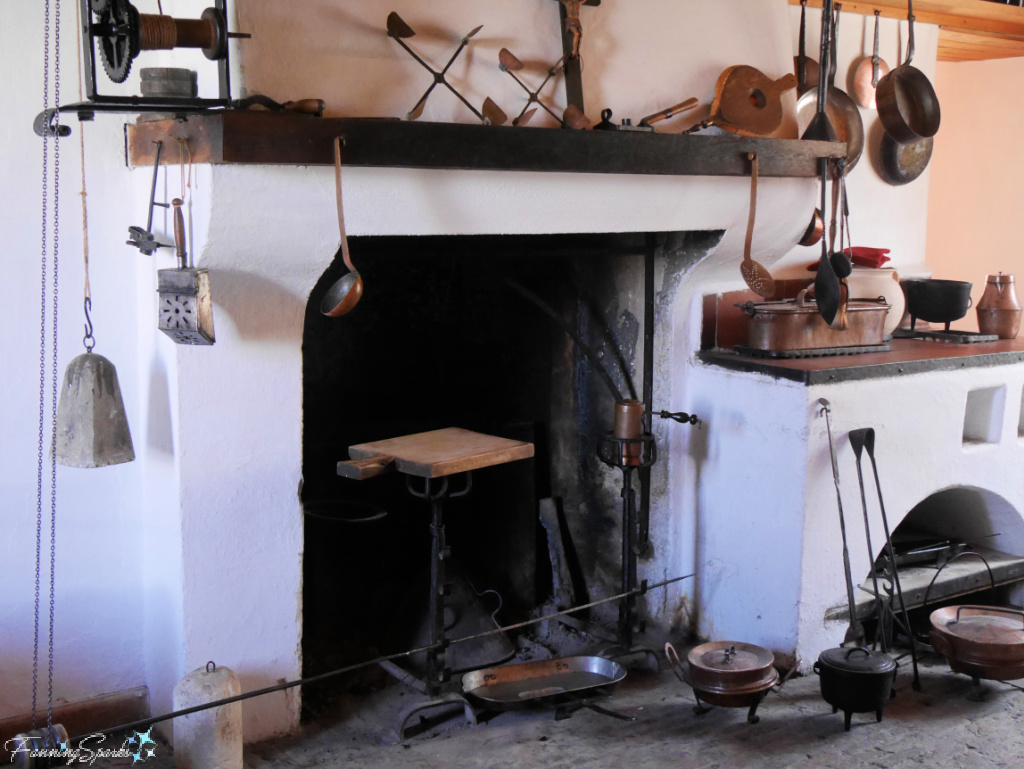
[[856, 680], [937, 301]]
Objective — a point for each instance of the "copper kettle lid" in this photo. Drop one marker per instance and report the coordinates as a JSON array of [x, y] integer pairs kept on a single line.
[[731, 656], [1000, 279]]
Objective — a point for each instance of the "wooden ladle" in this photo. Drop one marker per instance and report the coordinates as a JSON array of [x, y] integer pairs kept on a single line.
[[348, 289]]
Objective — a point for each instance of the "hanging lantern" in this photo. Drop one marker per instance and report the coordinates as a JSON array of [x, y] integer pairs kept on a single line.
[[186, 308], [92, 427]]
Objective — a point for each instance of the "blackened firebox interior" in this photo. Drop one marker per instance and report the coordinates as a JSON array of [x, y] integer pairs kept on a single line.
[[458, 332]]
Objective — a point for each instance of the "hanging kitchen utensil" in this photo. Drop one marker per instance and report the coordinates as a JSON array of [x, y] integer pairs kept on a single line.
[[867, 74], [805, 67], [907, 104], [348, 289], [855, 631], [815, 230], [843, 114], [902, 163], [510, 63], [747, 102], [185, 308], [143, 239], [757, 278], [644, 126], [490, 113], [826, 285], [862, 439]]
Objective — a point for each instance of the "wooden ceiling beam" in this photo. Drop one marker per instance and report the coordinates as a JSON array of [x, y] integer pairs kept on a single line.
[[976, 15]]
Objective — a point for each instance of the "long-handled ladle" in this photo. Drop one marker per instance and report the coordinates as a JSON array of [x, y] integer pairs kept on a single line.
[[348, 289]]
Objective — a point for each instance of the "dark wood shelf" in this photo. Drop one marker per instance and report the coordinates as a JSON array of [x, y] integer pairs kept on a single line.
[[907, 356], [259, 137]]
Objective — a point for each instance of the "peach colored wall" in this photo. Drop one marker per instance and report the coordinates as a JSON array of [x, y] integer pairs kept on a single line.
[[975, 199]]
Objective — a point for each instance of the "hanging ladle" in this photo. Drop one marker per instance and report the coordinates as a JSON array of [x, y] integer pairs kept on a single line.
[[758, 279], [348, 289]]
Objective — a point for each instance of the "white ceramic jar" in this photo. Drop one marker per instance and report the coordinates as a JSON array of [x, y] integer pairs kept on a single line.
[[873, 282]]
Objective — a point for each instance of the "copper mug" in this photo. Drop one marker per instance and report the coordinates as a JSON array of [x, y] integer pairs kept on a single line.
[[629, 425]]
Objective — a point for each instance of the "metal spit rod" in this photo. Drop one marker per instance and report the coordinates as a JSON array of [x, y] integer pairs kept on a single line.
[[135, 725]]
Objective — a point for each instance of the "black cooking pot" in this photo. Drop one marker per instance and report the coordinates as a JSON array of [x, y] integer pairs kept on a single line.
[[856, 680], [937, 301]]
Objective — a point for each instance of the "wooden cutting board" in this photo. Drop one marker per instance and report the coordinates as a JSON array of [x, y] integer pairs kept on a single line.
[[432, 454]]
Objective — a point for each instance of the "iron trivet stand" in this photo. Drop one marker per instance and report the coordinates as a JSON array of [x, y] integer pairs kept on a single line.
[[629, 455]]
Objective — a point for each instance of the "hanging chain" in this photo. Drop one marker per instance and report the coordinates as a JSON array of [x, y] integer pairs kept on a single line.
[[53, 391], [42, 362]]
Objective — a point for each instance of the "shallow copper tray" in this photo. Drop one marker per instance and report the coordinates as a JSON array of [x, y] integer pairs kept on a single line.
[[510, 686]]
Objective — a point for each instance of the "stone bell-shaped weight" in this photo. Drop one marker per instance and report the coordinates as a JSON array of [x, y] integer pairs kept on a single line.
[[92, 428]]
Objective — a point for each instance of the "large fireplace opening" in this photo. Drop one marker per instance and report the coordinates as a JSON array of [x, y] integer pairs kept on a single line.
[[473, 332]]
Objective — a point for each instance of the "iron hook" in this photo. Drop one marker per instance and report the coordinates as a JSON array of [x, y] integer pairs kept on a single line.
[[88, 340]]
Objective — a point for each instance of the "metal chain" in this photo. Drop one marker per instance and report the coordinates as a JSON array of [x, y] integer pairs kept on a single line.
[[42, 365], [53, 391]]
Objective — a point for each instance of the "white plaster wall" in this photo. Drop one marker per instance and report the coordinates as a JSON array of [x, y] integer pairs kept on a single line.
[[100, 594], [769, 549]]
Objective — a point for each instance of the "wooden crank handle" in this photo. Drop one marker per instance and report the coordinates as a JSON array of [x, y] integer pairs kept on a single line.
[[671, 111], [306, 106], [367, 467], [179, 233]]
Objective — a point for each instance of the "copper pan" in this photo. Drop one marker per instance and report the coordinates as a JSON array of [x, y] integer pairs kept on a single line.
[[867, 74]]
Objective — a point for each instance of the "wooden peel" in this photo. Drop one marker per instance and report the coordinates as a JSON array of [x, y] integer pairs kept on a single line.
[[748, 102], [758, 279]]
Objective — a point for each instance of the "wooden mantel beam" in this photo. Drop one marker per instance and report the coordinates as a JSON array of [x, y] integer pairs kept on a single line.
[[974, 15]]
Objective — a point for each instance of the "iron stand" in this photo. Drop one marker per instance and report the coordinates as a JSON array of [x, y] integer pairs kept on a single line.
[[437, 673], [629, 455]]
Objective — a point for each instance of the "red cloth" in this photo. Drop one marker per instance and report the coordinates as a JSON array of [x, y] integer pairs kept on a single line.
[[865, 256]]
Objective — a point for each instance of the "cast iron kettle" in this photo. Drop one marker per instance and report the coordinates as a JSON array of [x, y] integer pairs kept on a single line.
[[856, 680]]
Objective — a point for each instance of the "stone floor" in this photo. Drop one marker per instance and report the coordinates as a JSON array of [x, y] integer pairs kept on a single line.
[[936, 728]]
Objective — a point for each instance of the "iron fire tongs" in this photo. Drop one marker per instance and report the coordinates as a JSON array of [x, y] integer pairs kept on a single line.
[[861, 439], [397, 29]]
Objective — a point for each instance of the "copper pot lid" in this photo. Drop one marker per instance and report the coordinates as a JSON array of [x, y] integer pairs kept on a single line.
[[730, 656], [981, 624], [1000, 279], [857, 659]]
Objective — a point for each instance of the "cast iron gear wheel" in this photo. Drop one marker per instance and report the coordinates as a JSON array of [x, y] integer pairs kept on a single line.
[[120, 43]]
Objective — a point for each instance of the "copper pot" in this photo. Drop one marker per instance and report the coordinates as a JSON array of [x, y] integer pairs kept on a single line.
[[730, 674], [981, 641], [795, 324]]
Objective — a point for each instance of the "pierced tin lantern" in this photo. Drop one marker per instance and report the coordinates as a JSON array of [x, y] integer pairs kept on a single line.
[[186, 309]]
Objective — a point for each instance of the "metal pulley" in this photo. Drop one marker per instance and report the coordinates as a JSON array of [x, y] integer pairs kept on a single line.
[[92, 427]]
